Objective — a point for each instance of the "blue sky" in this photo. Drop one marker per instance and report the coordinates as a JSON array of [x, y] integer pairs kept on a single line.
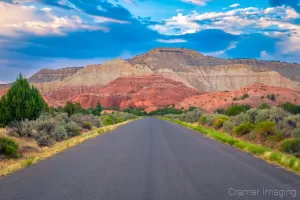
[[37, 34]]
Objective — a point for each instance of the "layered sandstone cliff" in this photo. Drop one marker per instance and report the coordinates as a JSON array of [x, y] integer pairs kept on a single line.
[[208, 73], [205, 73]]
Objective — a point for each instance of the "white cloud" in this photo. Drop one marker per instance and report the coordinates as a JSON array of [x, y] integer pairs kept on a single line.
[[171, 41], [234, 5], [197, 2], [17, 19], [236, 21], [222, 53], [241, 21]]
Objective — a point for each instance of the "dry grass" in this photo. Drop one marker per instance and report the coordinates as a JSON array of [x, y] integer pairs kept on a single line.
[[8, 166]]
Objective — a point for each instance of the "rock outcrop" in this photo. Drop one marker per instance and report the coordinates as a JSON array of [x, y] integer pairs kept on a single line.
[[207, 73], [258, 94], [49, 75]]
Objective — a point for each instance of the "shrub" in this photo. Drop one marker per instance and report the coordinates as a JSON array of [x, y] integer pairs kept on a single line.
[[228, 126], [219, 121], [24, 128], [245, 96], [81, 118], [238, 119], [203, 120], [262, 115], [192, 116], [244, 128], [291, 146], [107, 120], [47, 124], [210, 119], [277, 114], [289, 124], [8, 147], [250, 115], [291, 108], [60, 133], [237, 109], [87, 125], [265, 129], [72, 129], [43, 140], [220, 111], [264, 106], [272, 97], [235, 99], [296, 133]]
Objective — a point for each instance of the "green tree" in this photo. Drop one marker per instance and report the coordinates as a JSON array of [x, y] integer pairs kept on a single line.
[[72, 109], [99, 108], [21, 102]]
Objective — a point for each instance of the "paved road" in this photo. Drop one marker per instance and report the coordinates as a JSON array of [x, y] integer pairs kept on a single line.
[[150, 159]]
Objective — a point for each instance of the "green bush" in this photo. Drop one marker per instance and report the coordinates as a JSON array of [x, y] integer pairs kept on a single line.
[[192, 116], [245, 96], [8, 148], [250, 115], [203, 120], [289, 124], [277, 114], [228, 126], [219, 121], [235, 99], [72, 129], [243, 129], [107, 120], [291, 108], [43, 140], [262, 115], [210, 119], [272, 97], [24, 128], [291, 146], [237, 109], [79, 119], [87, 125], [265, 129], [60, 133], [296, 133], [264, 106]]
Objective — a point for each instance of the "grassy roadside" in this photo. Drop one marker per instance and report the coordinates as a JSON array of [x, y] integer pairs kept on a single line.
[[281, 159], [9, 166]]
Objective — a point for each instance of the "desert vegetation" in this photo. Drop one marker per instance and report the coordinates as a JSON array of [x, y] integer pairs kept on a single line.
[[273, 127], [26, 119]]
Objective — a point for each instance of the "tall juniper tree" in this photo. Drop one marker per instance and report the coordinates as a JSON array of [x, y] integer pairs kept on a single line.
[[21, 102]]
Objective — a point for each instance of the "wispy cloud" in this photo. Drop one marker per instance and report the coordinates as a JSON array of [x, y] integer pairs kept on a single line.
[[197, 2], [171, 41], [234, 5]]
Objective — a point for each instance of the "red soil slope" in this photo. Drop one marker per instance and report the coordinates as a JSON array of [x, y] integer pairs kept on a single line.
[[3, 91], [257, 95], [149, 92]]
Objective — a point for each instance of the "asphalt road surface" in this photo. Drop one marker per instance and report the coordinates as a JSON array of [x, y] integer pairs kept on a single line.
[[151, 159]]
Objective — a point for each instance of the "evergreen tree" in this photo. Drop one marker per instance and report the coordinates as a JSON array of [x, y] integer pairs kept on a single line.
[[99, 108], [72, 109], [21, 102]]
